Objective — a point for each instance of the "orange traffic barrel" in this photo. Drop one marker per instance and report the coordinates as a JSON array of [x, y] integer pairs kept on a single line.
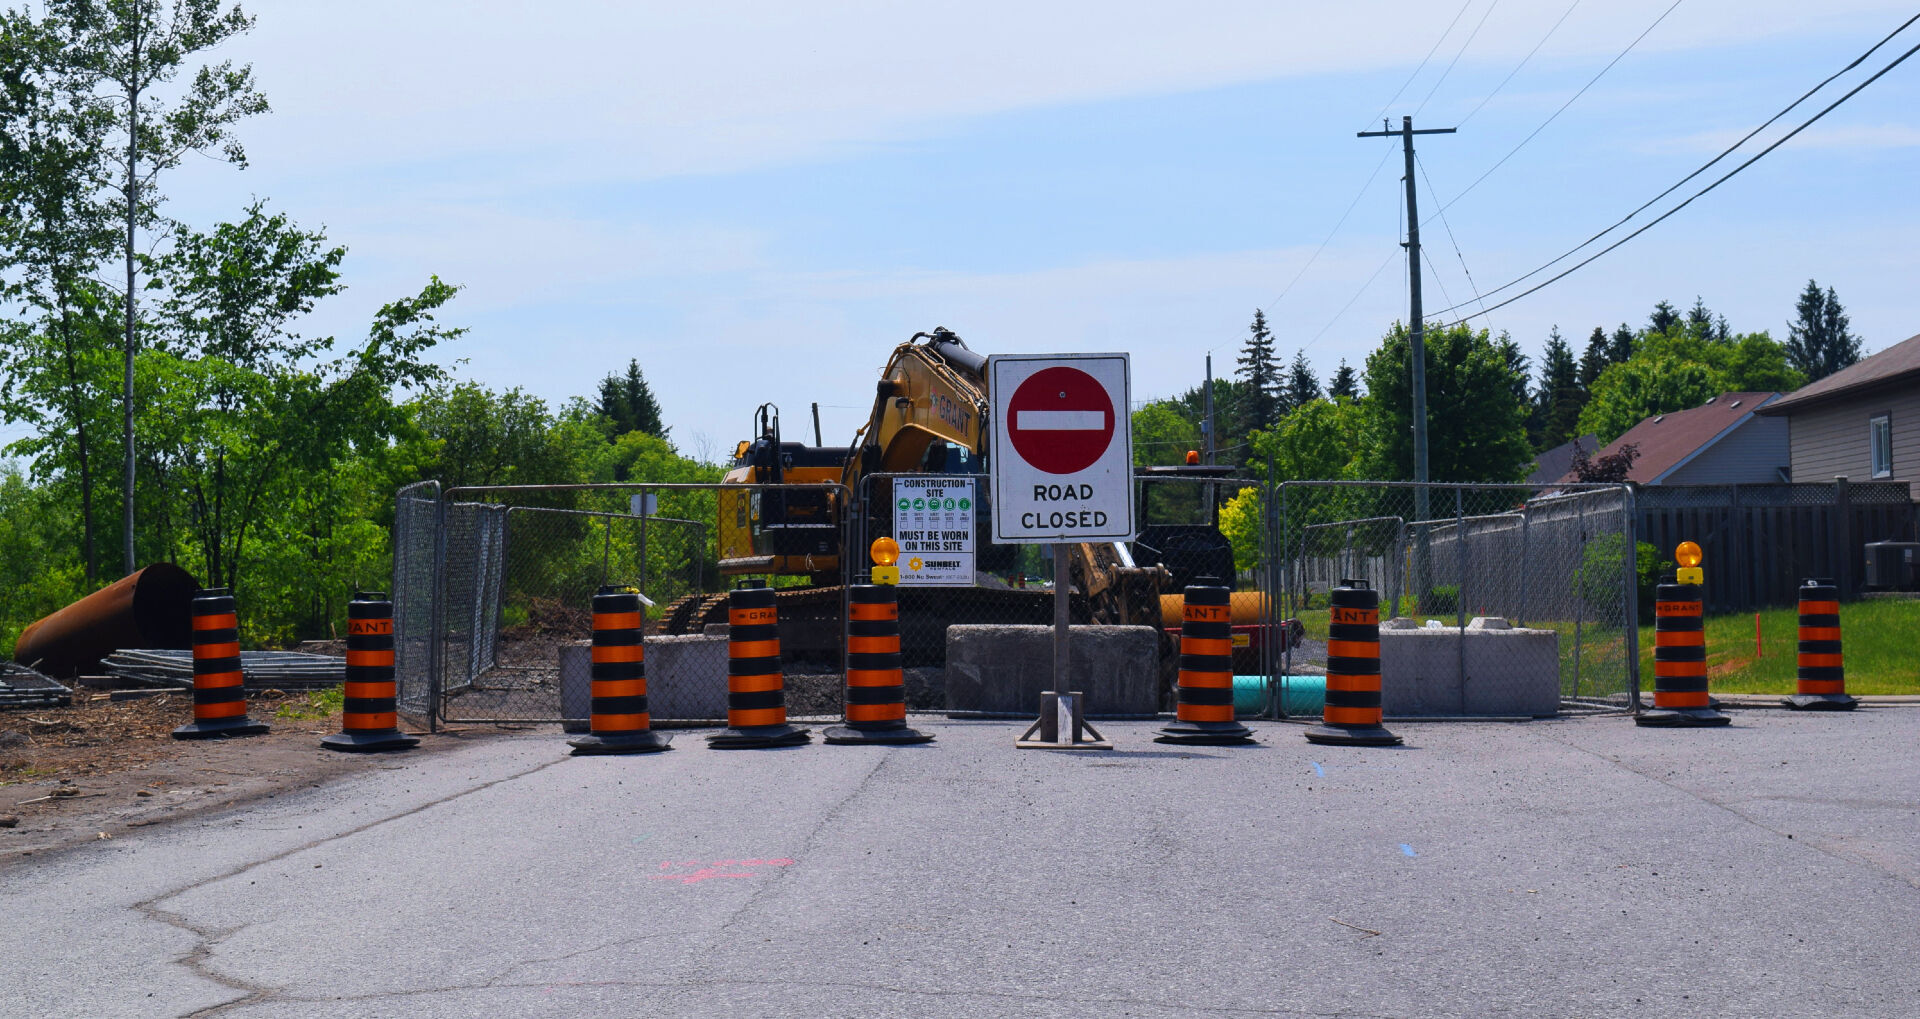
[[619, 721], [876, 685], [219, 690], [1679, 662], [1822, 678], [1204, 713], [756, 690], [1352, 715], [368, 721]]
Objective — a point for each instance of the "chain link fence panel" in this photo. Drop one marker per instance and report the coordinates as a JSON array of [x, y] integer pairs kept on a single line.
[[416, 532], [1496, 600], [500, 628]]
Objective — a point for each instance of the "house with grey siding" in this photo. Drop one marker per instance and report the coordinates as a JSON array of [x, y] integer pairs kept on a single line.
[[1724, 441], [1861, 422]]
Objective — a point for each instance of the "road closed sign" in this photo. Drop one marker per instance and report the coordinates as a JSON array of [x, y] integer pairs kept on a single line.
[[1062, 448]]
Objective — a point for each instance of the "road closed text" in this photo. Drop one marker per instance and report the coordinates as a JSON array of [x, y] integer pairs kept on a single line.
[[1064, 520]]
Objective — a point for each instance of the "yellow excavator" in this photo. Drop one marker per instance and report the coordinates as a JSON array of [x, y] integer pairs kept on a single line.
[[931, 416]]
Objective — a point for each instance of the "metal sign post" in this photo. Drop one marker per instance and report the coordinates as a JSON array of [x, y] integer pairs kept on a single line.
[[1062, 474]]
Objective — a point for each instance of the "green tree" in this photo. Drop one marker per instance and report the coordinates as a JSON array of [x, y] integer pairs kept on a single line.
[[1653, 382], [1302, 386], [1559, 399], [55, 228], [1259, 377], [1625, 342], [120, 57], [465, 434], [38, 571], [1241, 522], [1819, 341], [1163, 433], [1476, 425], [1595, 358], [1702, 324], [1314, 443], [1345, 382], [245, 416], [1676, 370], [1663, 318], [627, 402]]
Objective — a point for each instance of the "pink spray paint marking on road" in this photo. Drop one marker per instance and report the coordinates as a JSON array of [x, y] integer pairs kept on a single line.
[[713, 870]]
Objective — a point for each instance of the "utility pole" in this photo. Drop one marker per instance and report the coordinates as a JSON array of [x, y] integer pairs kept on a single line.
[[1206, 427], [1416, 321]]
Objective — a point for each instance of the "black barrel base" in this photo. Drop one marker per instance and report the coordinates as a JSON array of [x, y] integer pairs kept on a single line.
[[1206, 734], [1820, 702], [648, 742], [368, 742], [899, 734], [1681, 718], [759, 737], [1352, 736], [223, 727]]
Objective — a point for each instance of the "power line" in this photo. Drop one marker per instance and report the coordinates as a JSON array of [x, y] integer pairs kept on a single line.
[[1521, 64], [1770, 121], [1563, 107], [1456, 57], [1388, 154], [1477, 295], [1722, 180], [1324, 241], [1423, 62], [1356, 296]]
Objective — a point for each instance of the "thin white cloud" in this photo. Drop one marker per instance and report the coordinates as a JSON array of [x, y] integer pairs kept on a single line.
[[642, 90]]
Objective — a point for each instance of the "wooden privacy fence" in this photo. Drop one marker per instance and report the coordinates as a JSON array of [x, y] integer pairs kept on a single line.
[[1762, 541]]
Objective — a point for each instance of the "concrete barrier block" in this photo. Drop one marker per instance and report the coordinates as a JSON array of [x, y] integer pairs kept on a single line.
[[1507, 670], [1003, 668], [576, 686], [1420, 672], [1512, 672], [687, 676]]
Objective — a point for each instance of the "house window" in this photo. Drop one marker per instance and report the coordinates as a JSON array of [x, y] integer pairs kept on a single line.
[[1880, 439]]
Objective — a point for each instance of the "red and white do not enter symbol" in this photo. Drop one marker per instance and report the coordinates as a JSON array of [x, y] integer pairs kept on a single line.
[[1060, 420]]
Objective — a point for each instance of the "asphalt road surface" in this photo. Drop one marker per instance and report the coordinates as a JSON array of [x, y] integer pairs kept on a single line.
[[1582, 867]]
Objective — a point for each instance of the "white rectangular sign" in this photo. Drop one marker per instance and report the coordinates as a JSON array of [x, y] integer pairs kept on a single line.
[[933, 524], [1062, 447]]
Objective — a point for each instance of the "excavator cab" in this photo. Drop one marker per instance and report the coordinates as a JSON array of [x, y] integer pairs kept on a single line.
[[780, 530]]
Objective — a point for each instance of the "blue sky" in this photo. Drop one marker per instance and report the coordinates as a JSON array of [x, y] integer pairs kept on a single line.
[[758, 201]]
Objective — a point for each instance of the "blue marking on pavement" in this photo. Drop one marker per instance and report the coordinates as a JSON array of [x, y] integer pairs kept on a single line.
[[1407, 849], [1317, 769]]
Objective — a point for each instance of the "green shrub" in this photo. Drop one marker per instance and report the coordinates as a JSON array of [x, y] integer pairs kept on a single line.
[[1441, 599], [1598, 581]]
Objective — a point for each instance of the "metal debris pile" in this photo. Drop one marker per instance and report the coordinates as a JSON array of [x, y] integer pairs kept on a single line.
[[21, 687], [285, 670]]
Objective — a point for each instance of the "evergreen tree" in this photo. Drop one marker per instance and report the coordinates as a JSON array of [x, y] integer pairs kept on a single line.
[[1819, 343], [628, 403], [1560, 396], [1624, 343], [1345, 382], [1699, 319], [1260, 377], [1663, 317], [1598, 355], [1303, 387]]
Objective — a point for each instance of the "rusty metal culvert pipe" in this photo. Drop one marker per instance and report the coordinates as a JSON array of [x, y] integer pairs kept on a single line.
[[152, 608]]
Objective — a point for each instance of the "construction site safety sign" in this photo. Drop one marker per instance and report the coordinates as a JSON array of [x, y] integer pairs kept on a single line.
[[1062, 448], [933, 524]]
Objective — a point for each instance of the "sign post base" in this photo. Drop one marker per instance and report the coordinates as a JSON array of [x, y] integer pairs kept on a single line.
[[1062, 725]]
